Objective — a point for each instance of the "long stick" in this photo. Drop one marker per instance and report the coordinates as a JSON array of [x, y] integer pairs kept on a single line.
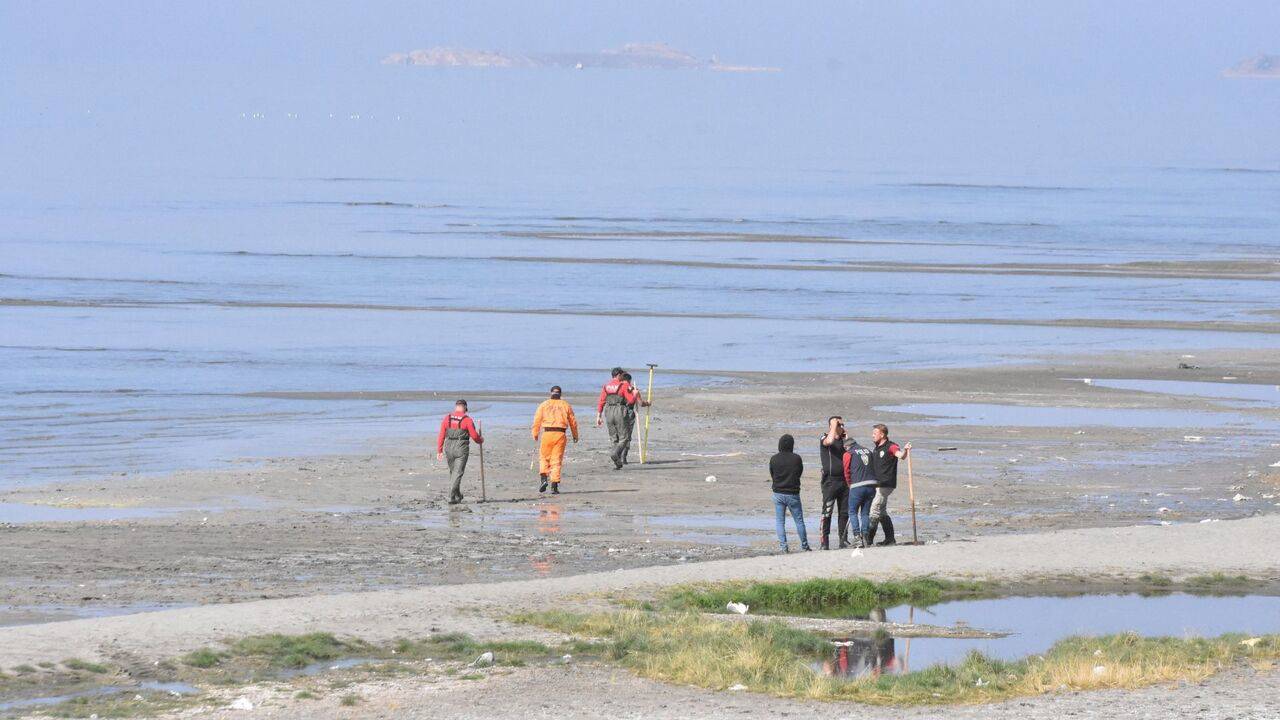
[[648, 413], [481, 431], [911, 491]]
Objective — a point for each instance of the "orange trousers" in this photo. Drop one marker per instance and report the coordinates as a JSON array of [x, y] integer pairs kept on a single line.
[[551, 454]]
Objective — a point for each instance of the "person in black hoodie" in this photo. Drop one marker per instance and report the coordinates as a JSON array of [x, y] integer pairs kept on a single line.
[[835, 488], [785, 469]]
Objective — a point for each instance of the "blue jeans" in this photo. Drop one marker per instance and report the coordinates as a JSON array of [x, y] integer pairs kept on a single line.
[[783, 502], [860, 508]]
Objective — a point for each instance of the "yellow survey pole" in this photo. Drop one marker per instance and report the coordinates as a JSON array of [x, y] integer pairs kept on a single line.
[[648, 413]]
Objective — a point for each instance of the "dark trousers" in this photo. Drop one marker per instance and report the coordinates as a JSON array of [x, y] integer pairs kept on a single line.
[[835, 499]]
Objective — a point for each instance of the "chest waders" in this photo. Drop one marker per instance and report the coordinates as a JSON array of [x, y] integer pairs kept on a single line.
[[615, 421], [457, 448]]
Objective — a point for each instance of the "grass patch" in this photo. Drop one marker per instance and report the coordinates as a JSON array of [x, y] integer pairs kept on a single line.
[[1155, 580], [295, 651], [349, 700], [23, 669], [818, 597], [202, 658], [306, 695], [85, 665], [456, 646], [767, 656], [1218, 581]]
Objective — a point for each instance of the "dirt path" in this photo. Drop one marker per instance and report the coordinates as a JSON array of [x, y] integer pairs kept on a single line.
[[1243, 546]]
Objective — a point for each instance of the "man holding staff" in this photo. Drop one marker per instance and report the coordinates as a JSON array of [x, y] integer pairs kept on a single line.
[[637, 401], [454, 444], [884, 464], [616, 397]]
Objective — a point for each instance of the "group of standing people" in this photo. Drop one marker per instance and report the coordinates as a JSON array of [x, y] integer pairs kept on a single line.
[[854, 477], [553, 422]]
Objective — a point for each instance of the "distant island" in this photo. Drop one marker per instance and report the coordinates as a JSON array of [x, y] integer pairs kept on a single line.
[[628, 57], [1258, 66]]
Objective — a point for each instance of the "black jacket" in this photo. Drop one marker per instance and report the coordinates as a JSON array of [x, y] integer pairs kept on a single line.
[[786, 468]]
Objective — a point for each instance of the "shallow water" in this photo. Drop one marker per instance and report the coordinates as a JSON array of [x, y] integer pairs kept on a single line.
[[1041, 416], [1250, 394], [141, 316], [1038, 622], [175, 688]]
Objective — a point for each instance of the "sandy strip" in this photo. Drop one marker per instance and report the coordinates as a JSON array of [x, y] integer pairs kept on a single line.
[[1244, 546]]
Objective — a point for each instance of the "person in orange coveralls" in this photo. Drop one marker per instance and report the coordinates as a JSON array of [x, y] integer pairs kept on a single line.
[[553, 418]]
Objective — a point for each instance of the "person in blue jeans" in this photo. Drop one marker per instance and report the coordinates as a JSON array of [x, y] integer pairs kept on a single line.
[[861, 479], [785, 469]]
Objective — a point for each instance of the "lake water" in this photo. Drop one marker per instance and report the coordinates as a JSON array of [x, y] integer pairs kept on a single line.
[[142, 319]]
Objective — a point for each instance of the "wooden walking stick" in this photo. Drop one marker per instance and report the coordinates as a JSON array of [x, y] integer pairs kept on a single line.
[[648, 413], [911, 492], [481, 431]]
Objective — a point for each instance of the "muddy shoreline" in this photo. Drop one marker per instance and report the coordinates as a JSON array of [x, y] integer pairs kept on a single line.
[[302, 526]]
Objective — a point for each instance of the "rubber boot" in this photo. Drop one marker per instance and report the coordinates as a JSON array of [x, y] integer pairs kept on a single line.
[[844, 536], [871, 533], [888, 531], [555, 488], [543, 487], [826, 533]]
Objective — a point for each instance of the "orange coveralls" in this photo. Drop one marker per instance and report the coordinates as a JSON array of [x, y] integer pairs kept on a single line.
[[551, 421]]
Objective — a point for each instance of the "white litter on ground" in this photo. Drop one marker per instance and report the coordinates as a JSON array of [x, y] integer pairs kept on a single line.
[[711, 478], [737, 607], [241, 703]]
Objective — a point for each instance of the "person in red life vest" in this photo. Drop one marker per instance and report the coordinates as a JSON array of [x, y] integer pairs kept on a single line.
[[884, 464], [611, 410], [457, 430], [632, 414]]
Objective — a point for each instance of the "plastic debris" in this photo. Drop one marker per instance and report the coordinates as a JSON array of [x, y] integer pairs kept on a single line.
[[1193, 438], [711, 478], [1163, 510], [485, 660], [241, 703], [1251, 642], [1165, 522], [737, 607], [980, 683], [1241, 498], [857, 552], [738, 687], [1099, 669], [1208, 520]]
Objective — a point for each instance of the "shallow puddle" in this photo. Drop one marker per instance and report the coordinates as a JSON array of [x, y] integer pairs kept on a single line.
[[174, 688], [17, 513], [1036, 623], [1250, 395], [1039, 416]]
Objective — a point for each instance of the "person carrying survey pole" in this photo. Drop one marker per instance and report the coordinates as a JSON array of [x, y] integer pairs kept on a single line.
[[611, 410], [453, 444], [552, 420], [632, 414], [884, 463]]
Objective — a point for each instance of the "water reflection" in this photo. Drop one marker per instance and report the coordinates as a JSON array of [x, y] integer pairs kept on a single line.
[[549, 519], [868, 657]]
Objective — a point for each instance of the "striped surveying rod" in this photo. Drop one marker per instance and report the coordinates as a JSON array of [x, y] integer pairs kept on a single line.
[[648, 413], [911, 492]]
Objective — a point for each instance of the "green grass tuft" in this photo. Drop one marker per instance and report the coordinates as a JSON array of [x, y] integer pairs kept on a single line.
[[85, 665], [350, 700], [295, 651], [202, 658], [817, 598]]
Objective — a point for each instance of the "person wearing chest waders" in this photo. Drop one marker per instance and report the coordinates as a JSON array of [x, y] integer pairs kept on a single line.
[[835, 490], [552, 420], [611, 410], [454, 444], [884, 463], [632, 413]]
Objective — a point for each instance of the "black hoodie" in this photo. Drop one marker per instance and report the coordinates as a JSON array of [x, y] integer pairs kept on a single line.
[[786, 467]]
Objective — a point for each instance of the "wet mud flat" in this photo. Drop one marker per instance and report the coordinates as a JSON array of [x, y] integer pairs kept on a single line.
[[302, 526]]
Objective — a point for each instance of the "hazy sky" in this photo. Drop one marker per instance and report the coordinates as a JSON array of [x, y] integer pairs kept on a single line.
[[159, 87]]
